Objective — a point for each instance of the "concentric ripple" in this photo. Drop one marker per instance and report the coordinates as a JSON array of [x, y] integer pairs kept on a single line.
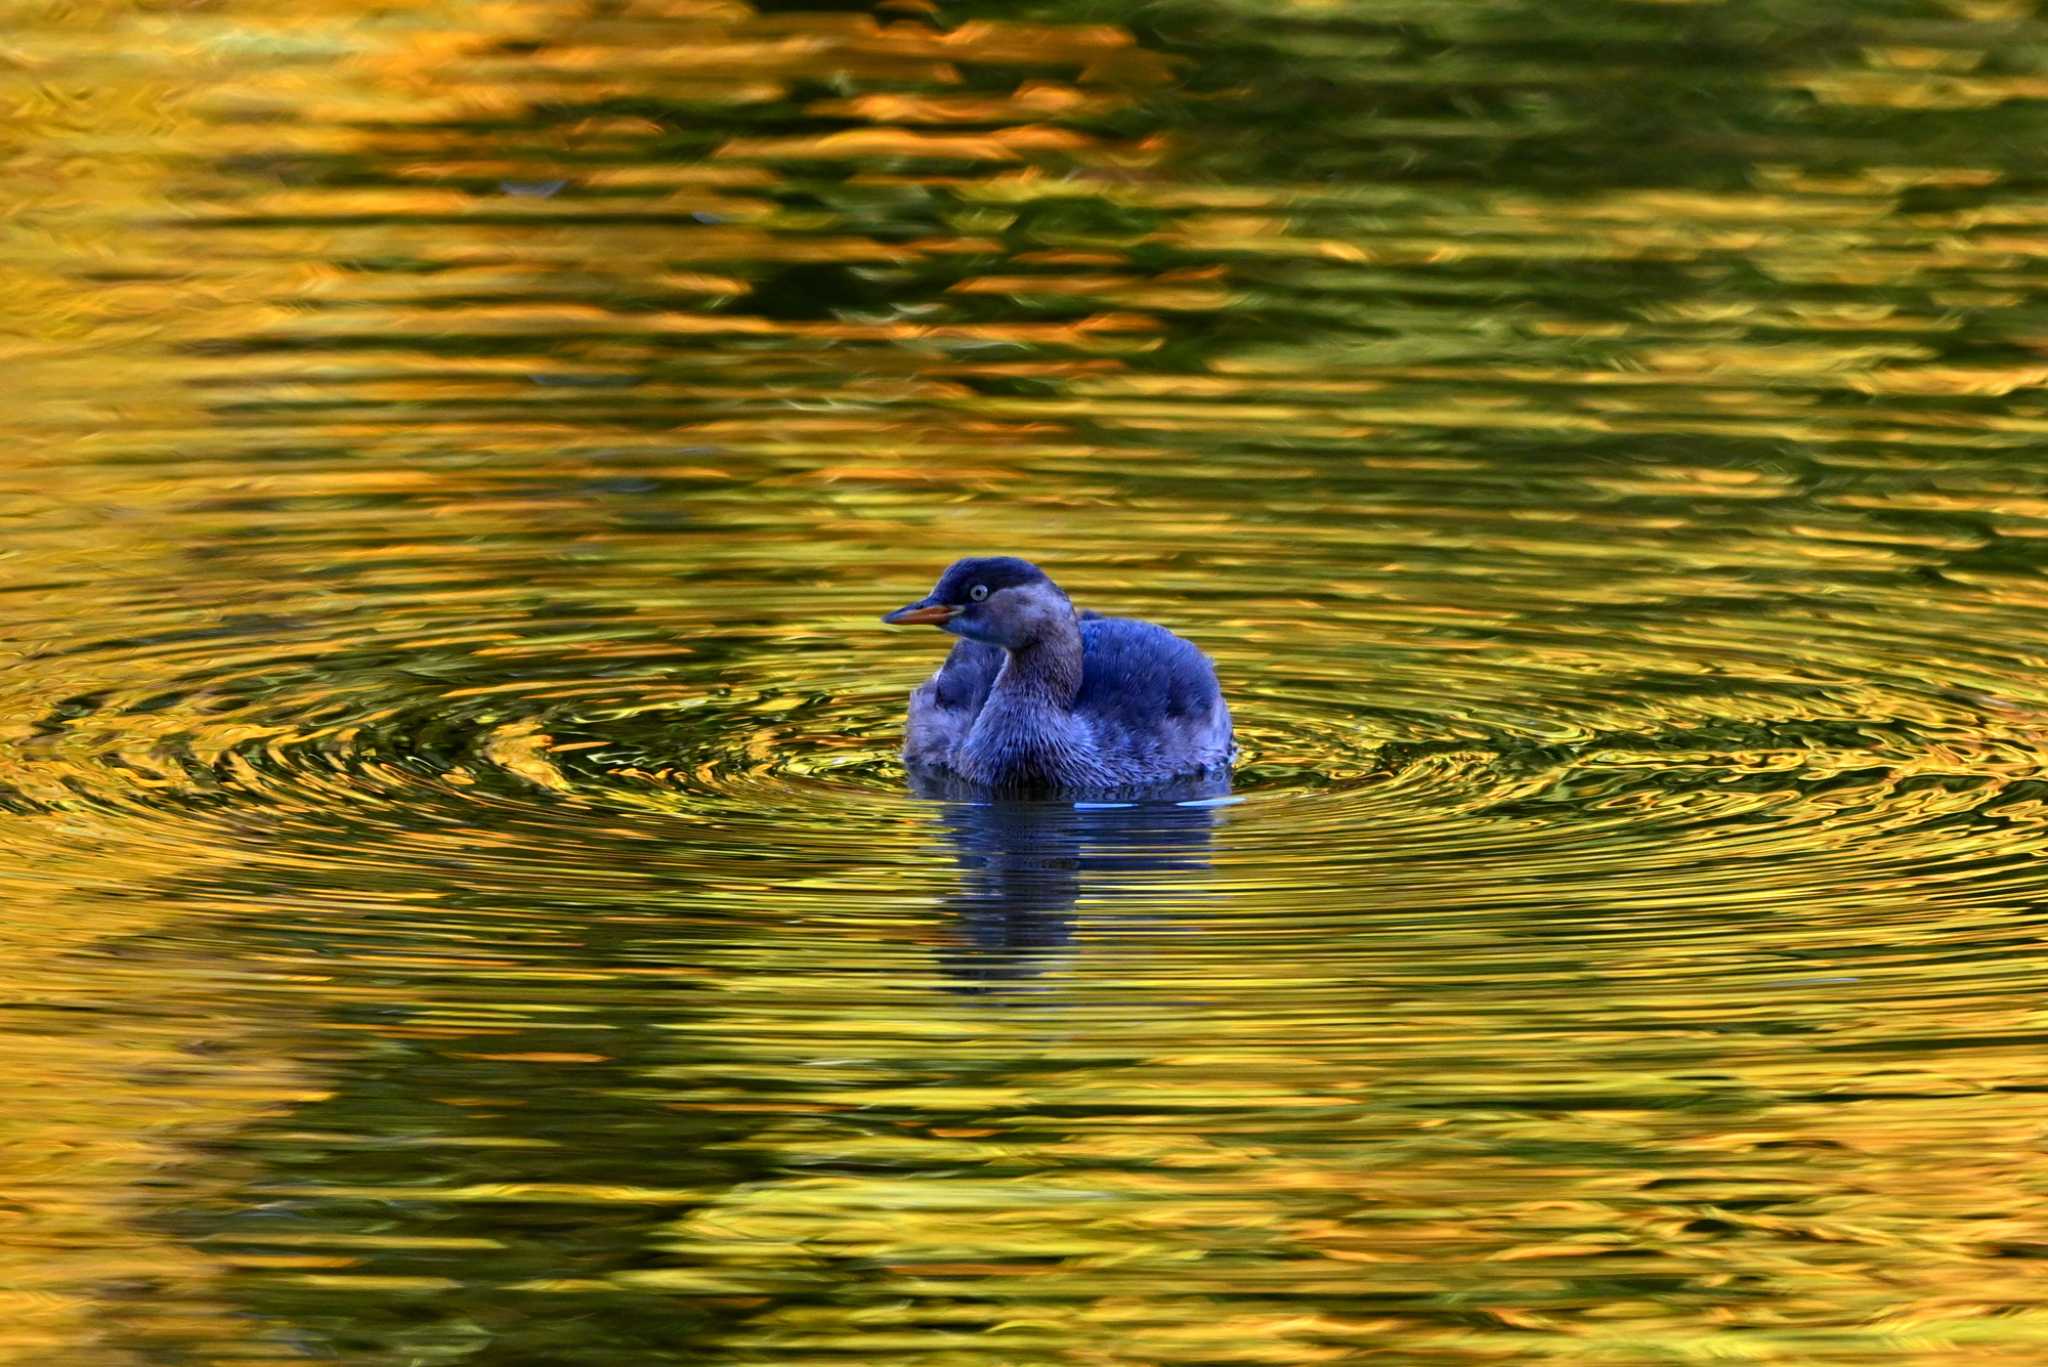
[[1655, 741], [585, 890]]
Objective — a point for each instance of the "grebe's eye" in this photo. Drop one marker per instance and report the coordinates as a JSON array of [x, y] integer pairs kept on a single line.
[[978, 592]]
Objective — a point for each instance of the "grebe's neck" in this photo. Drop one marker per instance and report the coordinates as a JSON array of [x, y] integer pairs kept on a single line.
[[1045, 669], [1041, 647], [1027, 735]]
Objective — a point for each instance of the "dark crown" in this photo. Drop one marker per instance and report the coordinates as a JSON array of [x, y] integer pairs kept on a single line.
[[996, 571]]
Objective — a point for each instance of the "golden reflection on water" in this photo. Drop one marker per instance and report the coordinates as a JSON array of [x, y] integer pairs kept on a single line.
[[463, 900]]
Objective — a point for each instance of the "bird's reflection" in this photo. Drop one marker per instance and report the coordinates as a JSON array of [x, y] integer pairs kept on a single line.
[[1024, 865]]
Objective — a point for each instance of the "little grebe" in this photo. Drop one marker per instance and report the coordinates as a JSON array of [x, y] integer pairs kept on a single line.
[[1039, 698]]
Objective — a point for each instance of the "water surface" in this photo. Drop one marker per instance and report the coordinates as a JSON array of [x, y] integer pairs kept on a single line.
[[463, 903]]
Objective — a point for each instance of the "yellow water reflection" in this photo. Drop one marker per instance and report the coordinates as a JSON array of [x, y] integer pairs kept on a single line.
[[463, 902]]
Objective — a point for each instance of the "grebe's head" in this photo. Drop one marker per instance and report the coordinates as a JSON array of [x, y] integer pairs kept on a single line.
[[998, 600]]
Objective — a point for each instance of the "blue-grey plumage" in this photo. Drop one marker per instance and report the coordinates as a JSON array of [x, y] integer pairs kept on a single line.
[[1036, 697]]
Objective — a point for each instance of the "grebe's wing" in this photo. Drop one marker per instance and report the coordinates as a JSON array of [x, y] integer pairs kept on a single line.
[[943, 707], [1138, 677], [963, 681]]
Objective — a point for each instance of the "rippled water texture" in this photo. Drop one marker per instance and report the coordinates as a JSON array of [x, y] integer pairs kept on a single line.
[[462, 902]]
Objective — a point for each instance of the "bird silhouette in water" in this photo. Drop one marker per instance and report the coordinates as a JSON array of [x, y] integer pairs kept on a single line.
[[1039, 699], [1026, 867]]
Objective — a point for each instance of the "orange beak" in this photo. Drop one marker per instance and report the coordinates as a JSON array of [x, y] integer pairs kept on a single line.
[[924, 612]]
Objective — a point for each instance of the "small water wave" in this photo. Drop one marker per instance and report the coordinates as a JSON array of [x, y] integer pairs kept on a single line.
[[463, 895], [1703, 747]]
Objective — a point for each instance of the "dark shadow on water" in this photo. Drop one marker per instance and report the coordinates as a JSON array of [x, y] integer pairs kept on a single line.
[[1026, 865], [533, 1149]]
